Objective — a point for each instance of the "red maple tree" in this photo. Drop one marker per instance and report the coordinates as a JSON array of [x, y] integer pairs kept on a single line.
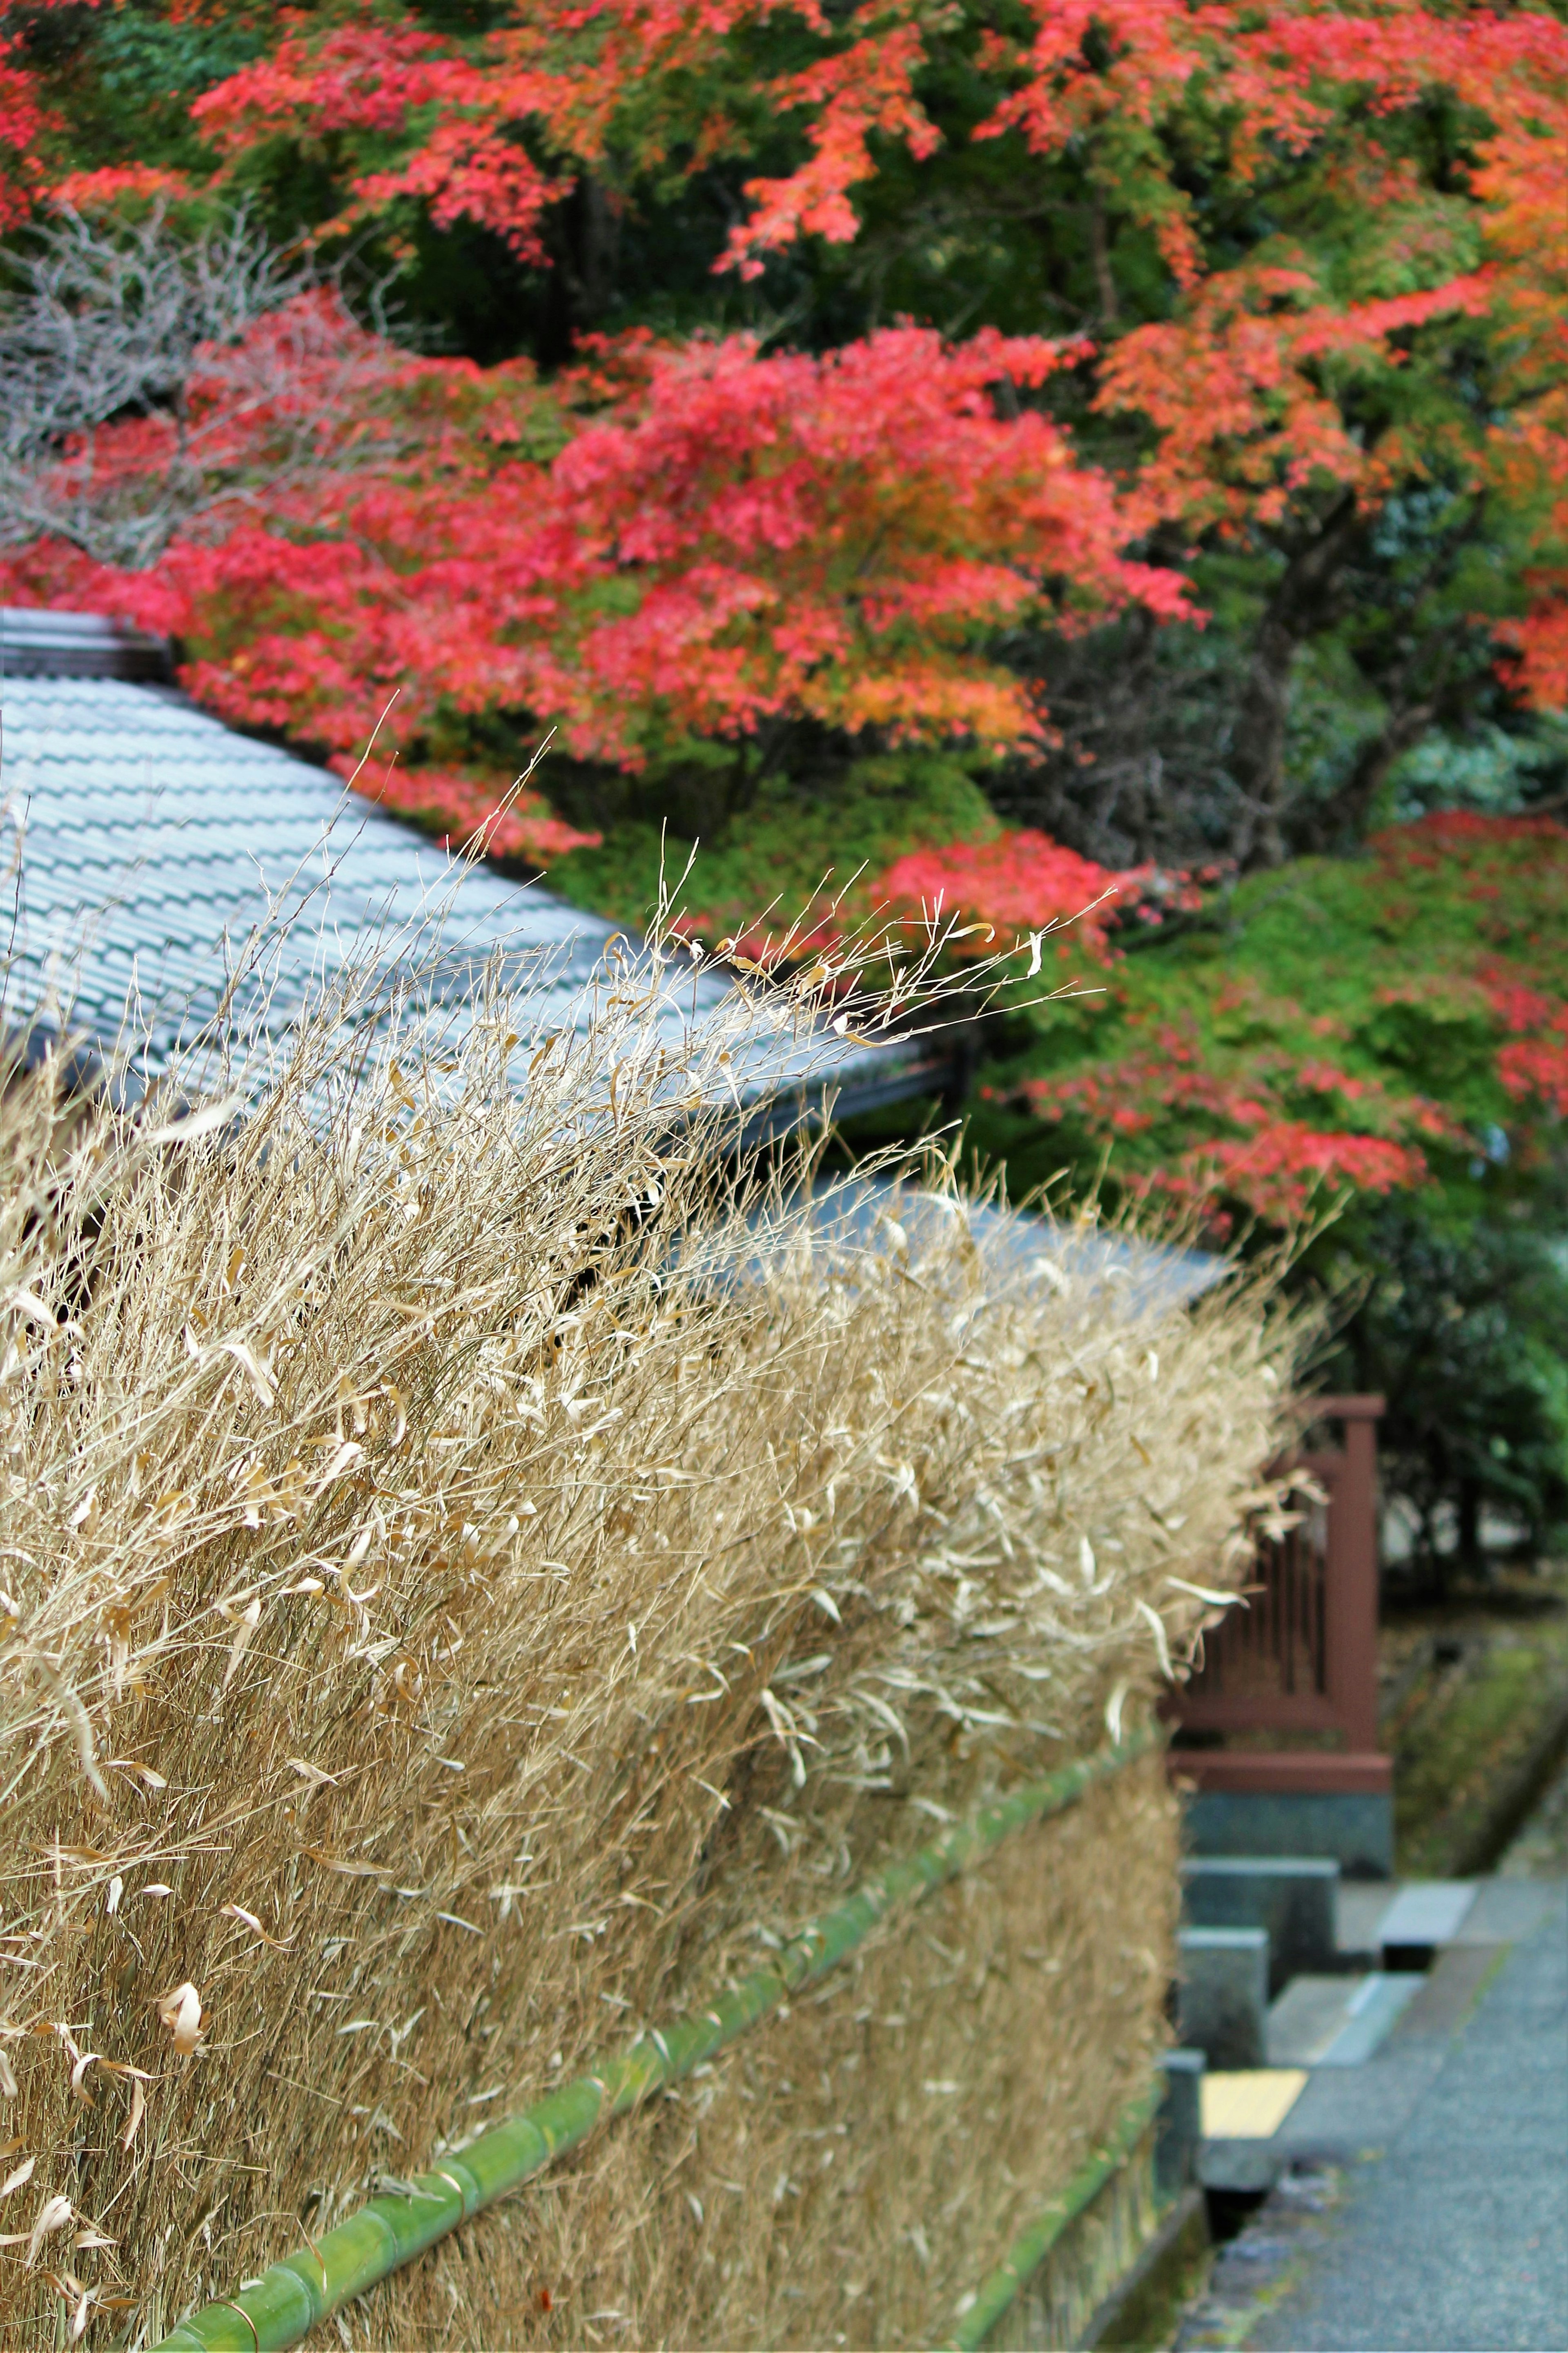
[[721, 540], [716, 540], [1262, 384]]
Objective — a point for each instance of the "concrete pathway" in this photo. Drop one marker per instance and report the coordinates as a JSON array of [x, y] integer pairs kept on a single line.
[[1540, 1849], [1426, 2204]]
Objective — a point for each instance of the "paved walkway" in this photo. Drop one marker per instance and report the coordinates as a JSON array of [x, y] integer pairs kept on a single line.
[[1421, 2196], [1453, 2233], [1540, 1849]]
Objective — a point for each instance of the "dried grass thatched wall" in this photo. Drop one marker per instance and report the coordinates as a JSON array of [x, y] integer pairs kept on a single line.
[[849, 2174], [449, 1626]]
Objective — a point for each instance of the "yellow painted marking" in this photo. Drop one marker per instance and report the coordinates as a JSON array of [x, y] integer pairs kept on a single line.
[[1250, 2104]]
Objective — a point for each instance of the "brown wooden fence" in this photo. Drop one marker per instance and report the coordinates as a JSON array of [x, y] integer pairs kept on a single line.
[[1301, 1660]]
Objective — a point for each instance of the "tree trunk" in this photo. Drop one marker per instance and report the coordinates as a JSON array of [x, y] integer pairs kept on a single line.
[[596, 240], [1413, 698], [582, 236], [1293, 612], [1100, 254], [1346, 813]]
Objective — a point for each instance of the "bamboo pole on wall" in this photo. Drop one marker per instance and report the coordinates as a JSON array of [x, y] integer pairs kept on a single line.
[[1029, 2250], [391, 2230]]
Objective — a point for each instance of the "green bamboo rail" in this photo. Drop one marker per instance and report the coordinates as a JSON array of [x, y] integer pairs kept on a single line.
[[308, 2287], [1031, 2247]]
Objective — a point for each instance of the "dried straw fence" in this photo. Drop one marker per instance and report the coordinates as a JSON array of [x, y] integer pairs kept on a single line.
[[309, 2284], [470, 1593]]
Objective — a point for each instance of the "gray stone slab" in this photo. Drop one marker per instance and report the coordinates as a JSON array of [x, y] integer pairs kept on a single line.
[[1305, 2018], [1450, 1990], [1223, 1996], [1337, 2021], [1360, 1911], [1372, 2012], [1181, 2125], [1428, 1911], [1240, 2165], [1357, 1833], [1292, 1897], [1346, 2113]]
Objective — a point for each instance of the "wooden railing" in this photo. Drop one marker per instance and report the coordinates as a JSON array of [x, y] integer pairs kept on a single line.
[[1300, 1659]]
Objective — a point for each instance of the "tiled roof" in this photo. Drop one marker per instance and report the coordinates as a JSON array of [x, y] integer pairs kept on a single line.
[[155, 842], [856, 1216], [1021, 1252], [37, 642]]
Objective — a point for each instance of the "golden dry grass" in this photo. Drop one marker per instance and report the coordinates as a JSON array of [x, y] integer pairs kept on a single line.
[[849, 2174], [464, 1592]]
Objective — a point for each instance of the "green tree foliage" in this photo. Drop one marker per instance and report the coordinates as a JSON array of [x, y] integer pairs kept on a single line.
[[1385, 1035], [1463, 1331]]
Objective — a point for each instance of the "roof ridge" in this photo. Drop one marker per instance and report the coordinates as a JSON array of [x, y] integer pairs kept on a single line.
[[42, 641]]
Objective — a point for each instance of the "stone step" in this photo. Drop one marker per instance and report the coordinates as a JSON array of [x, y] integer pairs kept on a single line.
[[1411, 1918], [1222, 1994], [1292, 1897], [1336, 2022]]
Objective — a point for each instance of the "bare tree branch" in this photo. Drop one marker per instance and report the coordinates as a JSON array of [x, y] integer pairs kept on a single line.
[[151, 384]]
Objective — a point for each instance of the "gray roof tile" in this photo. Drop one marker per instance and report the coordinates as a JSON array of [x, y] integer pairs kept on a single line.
[[156, 841]]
